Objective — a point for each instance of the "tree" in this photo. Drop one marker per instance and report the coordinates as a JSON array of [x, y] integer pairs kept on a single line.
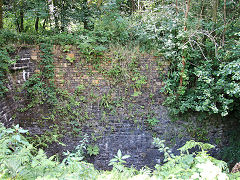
[[1, 14], [39, 10], [176, 6], [224, 17], [19, 7], [187, 3], [215, 8]]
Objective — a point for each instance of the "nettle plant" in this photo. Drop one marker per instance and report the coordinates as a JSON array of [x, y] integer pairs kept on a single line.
[[20, 160], [118, 161], [197, 165]]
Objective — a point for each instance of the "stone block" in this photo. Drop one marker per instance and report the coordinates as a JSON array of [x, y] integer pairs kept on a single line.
[[95, 82], [34, 58], [167, 63], [158, 83], [64, 65], [78, 74], [37, 71], [85, 77], [100, 78], [71, 55]]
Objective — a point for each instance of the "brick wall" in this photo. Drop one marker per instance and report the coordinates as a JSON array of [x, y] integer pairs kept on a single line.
[[125, 128], [19, 73]]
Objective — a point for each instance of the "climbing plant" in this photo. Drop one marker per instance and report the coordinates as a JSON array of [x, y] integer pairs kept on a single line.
[[5, 62], [40, 87]]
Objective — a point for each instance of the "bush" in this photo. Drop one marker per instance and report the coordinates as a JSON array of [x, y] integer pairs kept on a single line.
[[210, 85]]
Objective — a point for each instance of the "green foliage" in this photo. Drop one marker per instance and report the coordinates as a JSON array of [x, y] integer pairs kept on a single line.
[[80, 89], [118, 161], [40, 87], [230, 153], [119, 171], [198, 133], [70, 59], [162, 148], [115, 72], [136, 93], [139, 81], [19, 162], [209, 76], [46, 138], [89, 45], [211, 87], [106, 101], [66, 48], [15, 151], [152, 121], [78, 154], [189, 165], [112, 27], [92, 150], [5, 62]]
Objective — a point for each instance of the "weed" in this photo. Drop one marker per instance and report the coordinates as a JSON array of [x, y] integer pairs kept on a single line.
[[136, 93], [92, 149], [106, 101], [66, 48], [139, 81], [152, 122], [70, 58], [79, 89]]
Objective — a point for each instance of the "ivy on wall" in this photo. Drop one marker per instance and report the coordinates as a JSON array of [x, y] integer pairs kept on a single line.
[[40, 87]]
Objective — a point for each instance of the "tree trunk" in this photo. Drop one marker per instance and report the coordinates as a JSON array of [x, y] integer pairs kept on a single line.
[[44, 23], [133, 6], [62, 17], [1, 14], [176, 6], [99, 2], [215, 8], [85, 15], [55, 13], [21, 20], [224, 17], [36, 24], [203, 9], [85, 24], [185, 29], [51, 12], [17, 23], [202, 17], [186, 13]]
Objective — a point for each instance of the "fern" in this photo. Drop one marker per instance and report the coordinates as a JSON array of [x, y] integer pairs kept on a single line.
[[192, 144], [18, 162]]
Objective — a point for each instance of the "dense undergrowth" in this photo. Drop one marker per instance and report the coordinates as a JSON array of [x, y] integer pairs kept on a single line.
[[203, 76], [20, 160]]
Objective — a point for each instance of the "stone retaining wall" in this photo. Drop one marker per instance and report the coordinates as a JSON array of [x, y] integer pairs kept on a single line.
[[130, 125]]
